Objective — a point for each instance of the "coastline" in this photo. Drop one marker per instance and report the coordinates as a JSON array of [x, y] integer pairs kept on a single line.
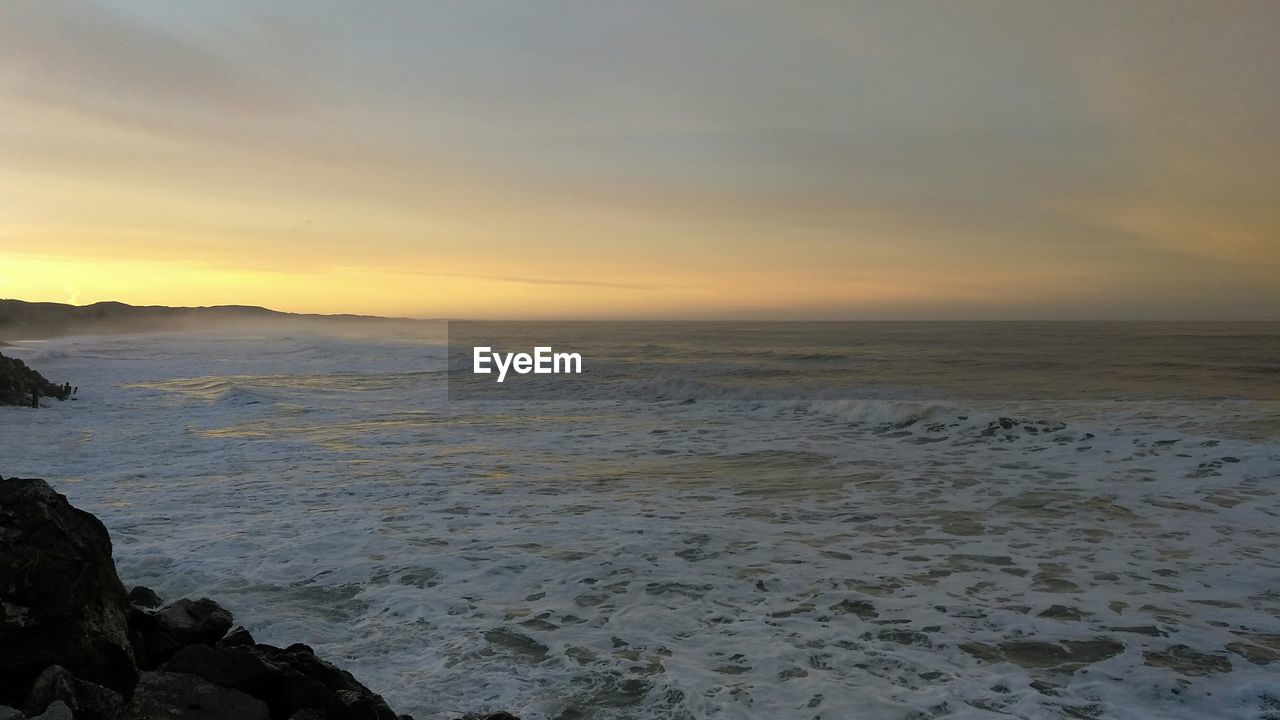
[[355, 527]]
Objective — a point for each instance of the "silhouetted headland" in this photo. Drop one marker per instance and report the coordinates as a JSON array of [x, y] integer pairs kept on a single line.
[[21, 320]]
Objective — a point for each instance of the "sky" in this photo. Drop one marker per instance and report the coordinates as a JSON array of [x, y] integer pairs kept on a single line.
[[983, 159]]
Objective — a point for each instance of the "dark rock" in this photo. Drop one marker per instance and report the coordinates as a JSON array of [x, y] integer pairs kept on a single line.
[[151, 645], [236, 638], [195, 621], [145, 597], [61, 602], [57, 711], [63, 611], [17, 381], [288, 680], [8, 713], [173, 696], [56, 683], [156, 636], [85, 699], [237, 668]]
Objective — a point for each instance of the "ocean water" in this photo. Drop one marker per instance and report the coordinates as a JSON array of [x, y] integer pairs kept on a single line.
[[746, 521]]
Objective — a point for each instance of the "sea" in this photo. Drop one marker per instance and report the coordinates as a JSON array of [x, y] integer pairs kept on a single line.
[[715, 520]]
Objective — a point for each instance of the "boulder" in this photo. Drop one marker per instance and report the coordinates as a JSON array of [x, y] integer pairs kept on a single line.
[[156, 636], [151, 645], [288, 680], [237, 637], [61, 602], [174, 696], [145, 597], [57, 711], [8, 713], [195, 621], [85, 699], [238, 668]]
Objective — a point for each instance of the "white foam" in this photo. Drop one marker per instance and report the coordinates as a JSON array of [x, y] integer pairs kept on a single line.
[[658, 559]]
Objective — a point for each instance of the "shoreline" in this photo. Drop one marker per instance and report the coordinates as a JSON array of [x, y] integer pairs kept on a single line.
[[74, 644]]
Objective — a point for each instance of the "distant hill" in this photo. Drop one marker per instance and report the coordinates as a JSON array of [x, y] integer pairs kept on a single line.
[[31, 320]]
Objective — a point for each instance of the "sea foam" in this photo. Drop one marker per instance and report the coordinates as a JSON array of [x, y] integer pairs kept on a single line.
[[648, 556]]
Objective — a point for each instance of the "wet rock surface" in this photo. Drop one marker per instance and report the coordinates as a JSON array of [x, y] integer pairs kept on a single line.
[[162, 695], [57, 711], [145, 598], [289, 680], [83, 698], [73, 644], [190, 622], [61, 602]]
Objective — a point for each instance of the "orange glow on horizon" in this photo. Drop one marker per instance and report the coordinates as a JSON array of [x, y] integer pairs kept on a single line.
[[177, 160]]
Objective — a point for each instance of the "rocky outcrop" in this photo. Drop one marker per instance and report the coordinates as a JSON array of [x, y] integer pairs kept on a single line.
[[163, 696], [84, 699], [61, 602], [190, 639], [73, 644], [17, 381], [289, 680], [158, 635]]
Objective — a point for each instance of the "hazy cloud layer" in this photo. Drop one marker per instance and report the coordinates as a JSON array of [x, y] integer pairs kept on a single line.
[[964, 159]]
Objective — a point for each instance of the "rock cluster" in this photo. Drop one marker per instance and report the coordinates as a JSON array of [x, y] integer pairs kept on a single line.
[[17, 381], [61, 602], [74, 644]]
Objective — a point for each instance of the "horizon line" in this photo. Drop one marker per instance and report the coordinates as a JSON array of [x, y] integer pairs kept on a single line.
[[402, 318]]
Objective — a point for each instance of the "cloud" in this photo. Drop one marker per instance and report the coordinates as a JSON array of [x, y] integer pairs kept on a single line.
[[656, 147], [109, 68]]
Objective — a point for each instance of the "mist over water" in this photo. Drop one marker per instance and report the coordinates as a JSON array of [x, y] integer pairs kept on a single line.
[[897, 520]]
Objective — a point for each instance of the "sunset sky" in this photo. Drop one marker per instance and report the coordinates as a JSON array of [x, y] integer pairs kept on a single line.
[[646, 159]]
